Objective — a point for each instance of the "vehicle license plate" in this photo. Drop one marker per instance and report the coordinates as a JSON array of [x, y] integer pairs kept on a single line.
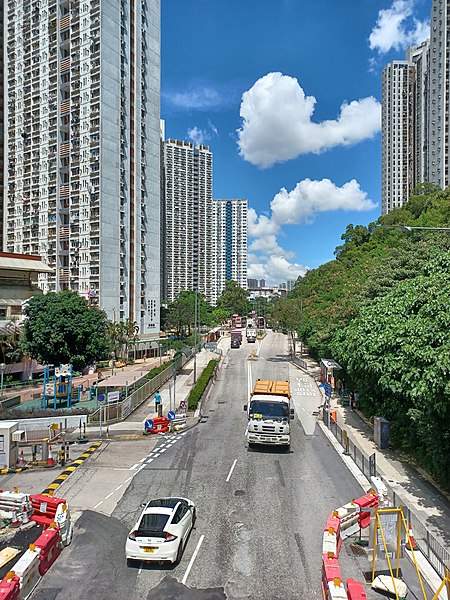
[[149, 549]]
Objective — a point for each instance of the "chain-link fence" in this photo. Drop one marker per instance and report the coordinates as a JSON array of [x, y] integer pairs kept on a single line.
[[437, 555]]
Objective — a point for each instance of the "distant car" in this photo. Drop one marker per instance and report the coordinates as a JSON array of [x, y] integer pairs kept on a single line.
[[235, 344], [161, 531]]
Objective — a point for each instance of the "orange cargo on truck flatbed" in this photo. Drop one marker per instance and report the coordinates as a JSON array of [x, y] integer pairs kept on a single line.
[[268, 386]]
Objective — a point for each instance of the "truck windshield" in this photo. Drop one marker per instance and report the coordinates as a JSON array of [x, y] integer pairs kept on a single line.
[[269, 410]]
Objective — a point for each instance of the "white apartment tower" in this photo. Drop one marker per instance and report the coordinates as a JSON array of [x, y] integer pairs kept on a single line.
[[82, 148], [397, 140], [439, 94], [188, 197], [229, 243]]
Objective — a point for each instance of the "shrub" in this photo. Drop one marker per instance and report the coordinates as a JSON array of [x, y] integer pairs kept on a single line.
[[199, 388]]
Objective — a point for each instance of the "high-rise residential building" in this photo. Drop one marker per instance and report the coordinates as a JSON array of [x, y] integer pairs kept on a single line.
[[229, 246], [397, 141], [415, 115], [1, 125], [82, 186], [252, 283], [439, 94], [188, 197]]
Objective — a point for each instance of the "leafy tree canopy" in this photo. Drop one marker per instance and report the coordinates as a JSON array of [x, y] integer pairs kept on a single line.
[[234, 300], [62, 328]]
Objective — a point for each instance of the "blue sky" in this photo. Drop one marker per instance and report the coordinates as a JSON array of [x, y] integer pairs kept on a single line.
[[287, 95]]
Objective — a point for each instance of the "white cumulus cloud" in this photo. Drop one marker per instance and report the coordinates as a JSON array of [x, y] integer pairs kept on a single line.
[[277, 126], [397, 28], [267, 259]]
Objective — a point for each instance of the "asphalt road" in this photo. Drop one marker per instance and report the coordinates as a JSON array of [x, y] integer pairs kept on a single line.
[[261, 513]]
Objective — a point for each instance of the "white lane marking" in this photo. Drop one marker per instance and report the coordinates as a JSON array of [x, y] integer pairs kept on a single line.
[[129, 479], [231, 470], [194, 556], [149, 460], [155, 455], [98, 504], [163, 450], [142, 459], [109, 495], [140, 569], [118, 487], [121, 469], [134, 467], [140, 468]]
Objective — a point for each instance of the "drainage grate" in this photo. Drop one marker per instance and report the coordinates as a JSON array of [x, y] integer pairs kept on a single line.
[[239, 493]]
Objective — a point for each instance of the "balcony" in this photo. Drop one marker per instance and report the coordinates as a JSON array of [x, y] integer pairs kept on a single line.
[[64, 233], [64, 274]]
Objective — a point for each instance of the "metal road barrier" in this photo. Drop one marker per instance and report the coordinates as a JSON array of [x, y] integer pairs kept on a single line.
[[118, 411], [300, 362], [437, 555]]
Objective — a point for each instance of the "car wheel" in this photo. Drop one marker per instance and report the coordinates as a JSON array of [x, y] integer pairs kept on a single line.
[[179, 553]]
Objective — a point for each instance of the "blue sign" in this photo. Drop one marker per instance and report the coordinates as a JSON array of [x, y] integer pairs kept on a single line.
[[149, 425], [101, 397], [327, 388], [171, 415]]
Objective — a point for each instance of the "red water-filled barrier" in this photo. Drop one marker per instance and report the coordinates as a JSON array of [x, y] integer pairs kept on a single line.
[[48, 542], [44, 508], [369, 500], [330, 569], [160, 425], [355, 590], [10, 587]]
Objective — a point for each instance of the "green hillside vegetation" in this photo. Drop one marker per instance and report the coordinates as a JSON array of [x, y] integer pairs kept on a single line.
[[381, 308]]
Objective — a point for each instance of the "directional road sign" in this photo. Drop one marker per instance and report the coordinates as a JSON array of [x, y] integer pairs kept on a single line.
[[101, 398], [171, 415], [149, 424]]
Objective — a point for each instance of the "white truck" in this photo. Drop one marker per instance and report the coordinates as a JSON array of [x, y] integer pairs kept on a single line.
[[250, 333], [269, 414]]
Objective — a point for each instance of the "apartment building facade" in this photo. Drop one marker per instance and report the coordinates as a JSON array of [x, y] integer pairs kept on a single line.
[[82, 163], [415, 114], [397, 134], [188, 197], [230, 243]]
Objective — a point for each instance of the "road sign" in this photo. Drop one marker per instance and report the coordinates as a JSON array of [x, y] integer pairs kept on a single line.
[[101, 398], [149, 425], [113, 396], [171, 415]]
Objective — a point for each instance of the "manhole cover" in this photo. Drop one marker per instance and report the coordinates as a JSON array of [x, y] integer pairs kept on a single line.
[[358, 550], [239, 492]]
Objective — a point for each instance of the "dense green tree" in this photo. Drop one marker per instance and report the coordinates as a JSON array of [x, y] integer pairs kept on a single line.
[[234, 300], [397, 353], [62, 328], [180, 314]]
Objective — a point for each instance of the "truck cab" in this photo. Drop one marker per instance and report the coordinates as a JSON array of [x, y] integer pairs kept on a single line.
[[269, 414]]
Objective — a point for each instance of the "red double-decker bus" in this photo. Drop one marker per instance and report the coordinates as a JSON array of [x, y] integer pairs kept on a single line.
[[260, 322]]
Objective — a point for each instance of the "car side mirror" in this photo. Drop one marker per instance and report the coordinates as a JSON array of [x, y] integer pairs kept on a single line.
[[245, 407]]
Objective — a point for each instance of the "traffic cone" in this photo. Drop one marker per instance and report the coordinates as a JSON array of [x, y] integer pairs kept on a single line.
[[411, 542], [25, 517], [50, 461]]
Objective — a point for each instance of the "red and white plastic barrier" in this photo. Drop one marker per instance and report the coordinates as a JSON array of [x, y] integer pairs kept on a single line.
[[10, 587], [354, 513], [48, 543], [27, 569], [355, 590]]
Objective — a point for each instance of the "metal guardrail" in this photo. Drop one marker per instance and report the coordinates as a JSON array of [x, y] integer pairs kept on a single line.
[[299, 362], [118, 411], [437, 555]]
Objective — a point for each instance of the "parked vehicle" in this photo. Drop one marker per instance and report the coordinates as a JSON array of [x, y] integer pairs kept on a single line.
[[269, 414], [161, 531], [236, 338]]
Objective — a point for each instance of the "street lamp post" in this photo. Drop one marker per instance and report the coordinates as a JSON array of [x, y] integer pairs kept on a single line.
[[113, 359], [2, 371]]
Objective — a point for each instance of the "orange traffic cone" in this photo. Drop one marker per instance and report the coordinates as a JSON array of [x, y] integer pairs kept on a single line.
[[411, 542], [50, 461]]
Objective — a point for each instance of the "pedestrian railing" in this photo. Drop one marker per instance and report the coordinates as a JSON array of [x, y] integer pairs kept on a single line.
[[437, 555], [118, 411]]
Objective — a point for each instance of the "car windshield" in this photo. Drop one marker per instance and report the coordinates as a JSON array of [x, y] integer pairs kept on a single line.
[[152, 523], [269, 410]]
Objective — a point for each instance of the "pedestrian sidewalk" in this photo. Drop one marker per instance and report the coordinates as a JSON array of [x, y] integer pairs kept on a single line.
[[413, 488], [171, 398]]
